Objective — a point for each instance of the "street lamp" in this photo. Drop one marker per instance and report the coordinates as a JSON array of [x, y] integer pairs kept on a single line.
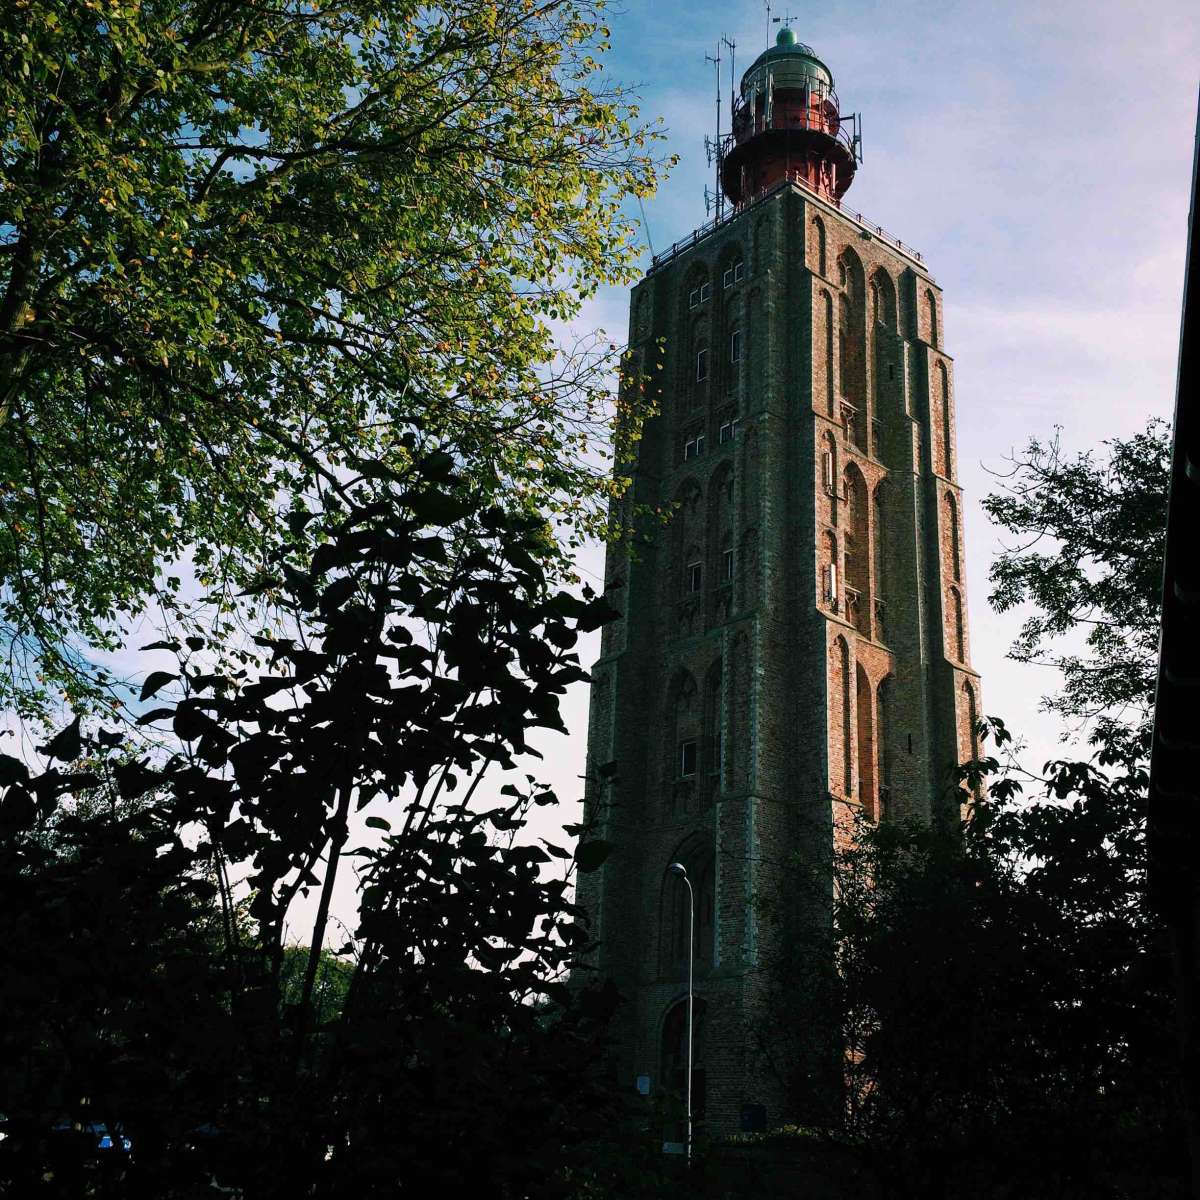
[[680, 870]]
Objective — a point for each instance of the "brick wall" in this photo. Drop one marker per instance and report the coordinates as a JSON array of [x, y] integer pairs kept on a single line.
[[806, 422]]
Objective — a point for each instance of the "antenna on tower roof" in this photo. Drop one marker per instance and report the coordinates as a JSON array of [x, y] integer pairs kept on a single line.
[[713, 148], [731, 45]]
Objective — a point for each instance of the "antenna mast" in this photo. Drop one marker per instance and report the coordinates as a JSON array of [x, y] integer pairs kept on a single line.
[[731, 45], [713, 148]]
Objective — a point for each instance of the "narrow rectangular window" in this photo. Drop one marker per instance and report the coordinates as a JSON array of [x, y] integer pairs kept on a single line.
[[701, 365], [727, 565], [687, 758], [700, 443], [831, 584], [726, 433], [727, 278], [715, 766], [689, 449], [694, 576], [827, 469], [735, 346], [694, 298], [705, 291], [739, 271]]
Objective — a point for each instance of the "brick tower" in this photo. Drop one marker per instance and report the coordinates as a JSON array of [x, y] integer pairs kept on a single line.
[[793, 640]]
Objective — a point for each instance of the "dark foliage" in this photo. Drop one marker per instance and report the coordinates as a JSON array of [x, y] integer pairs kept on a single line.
[[1007, 989], [1089, 561], [143, 989]]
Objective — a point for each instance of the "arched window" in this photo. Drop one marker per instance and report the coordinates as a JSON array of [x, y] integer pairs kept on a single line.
[[845, 330], [693, 572], [882, 716], [857, 549], [840, 739], [970, 719], [687, 538], [947, 420], [939, 424], [851, 348], [720, 527], [960, 633], [830, 475], [879, 561], [883, 299], [866, 743], [931, 316], [712, 747], [831, 583], [674, 1059], [818, 227], [952, 529], [682, 749], [827, 300]]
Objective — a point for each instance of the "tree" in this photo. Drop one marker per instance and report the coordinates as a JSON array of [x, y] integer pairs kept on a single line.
[[428, 639], [243, 245], [1089, 561], [1006, 990]]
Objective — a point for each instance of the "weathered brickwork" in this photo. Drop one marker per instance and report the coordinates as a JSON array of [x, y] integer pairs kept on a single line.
[[793, 642]]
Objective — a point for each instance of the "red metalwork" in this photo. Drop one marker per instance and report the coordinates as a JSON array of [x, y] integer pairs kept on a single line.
[[788, 125]]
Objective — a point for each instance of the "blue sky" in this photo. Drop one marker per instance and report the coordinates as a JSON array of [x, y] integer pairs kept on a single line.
[[1039, 156]]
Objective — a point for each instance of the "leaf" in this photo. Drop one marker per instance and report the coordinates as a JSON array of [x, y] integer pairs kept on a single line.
[[591, 856], [378, 823], [154, 681], [155, 714], [66, 745], [12, 770], [135, 779]]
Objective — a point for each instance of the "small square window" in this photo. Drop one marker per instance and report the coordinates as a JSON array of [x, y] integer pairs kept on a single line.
[[705, 291], [701, 365], [695, 576], [727, 278], [688, 756], [739, 271], [727, 565], [735, 346], [694, 298]]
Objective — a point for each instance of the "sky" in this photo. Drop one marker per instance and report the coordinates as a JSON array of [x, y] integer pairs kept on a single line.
[[1039, 156]]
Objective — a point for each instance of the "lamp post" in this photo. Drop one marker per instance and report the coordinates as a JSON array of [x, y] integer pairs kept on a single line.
[[680, 870]]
